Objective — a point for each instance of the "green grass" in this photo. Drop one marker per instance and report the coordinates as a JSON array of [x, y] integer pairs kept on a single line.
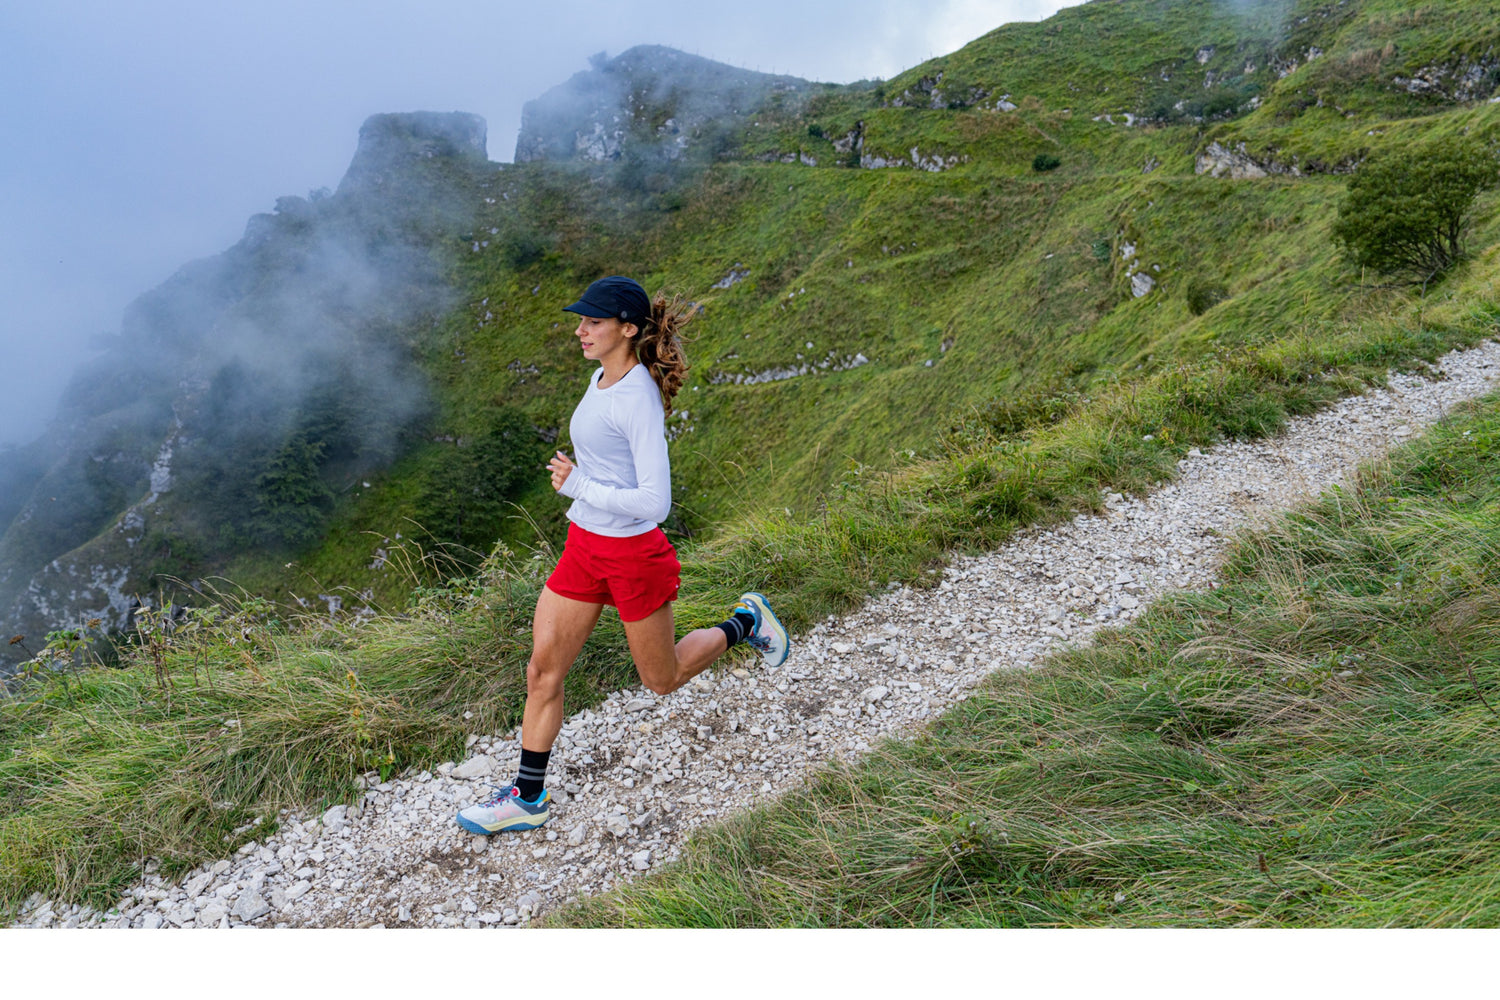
[[1313, 744], [1012, 376]]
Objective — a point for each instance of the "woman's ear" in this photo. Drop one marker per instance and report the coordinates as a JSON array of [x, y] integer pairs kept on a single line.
[[629, 329]]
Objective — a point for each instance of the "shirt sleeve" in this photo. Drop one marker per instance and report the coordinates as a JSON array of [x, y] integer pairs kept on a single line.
[[645, 428]]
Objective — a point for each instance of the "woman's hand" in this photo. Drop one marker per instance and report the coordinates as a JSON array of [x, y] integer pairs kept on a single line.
[[560, 466]]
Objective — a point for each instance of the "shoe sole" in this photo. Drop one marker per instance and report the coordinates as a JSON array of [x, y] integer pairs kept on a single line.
[[529, 823], [764, 607]]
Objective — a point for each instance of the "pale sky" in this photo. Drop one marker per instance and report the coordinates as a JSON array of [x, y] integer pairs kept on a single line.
[[142, 135]]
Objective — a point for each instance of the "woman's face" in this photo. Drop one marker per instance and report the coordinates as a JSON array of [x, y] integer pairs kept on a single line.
[[605, 337]]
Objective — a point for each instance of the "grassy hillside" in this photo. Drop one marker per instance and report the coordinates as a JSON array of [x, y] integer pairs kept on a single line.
[[1009, 372]]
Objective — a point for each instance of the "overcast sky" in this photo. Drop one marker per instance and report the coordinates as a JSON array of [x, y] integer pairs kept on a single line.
[[142, 135]]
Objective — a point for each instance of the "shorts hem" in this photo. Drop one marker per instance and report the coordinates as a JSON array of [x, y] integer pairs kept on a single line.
[[648, 614], [575, 596]]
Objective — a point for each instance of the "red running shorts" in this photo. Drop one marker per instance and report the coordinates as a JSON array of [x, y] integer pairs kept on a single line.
[[637, 574]]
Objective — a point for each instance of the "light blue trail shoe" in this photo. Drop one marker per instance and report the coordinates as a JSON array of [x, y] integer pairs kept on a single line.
[[769, 638], [505, 810]]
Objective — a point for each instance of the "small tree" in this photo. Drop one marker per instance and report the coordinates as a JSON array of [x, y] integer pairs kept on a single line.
[[1406, 211], [467, 494], [291, 498]]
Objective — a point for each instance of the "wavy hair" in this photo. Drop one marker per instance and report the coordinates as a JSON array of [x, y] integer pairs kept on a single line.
[[658, 346]]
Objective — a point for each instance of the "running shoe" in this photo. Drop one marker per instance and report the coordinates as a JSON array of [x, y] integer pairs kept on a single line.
[[768, 638], [505, 810]]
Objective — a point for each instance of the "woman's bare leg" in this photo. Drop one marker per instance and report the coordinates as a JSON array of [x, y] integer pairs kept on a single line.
[[665, 666], [558, 631]]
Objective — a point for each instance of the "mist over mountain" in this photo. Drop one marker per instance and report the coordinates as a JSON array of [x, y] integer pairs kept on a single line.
[[245, 391]]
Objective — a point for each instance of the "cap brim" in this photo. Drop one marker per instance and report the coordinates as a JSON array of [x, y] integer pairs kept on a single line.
[[583, 308]]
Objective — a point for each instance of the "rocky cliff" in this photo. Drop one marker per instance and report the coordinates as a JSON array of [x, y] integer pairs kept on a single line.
[[649, 99]]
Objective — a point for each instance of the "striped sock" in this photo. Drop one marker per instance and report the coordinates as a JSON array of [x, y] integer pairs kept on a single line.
[[533, 773], [738, 627]]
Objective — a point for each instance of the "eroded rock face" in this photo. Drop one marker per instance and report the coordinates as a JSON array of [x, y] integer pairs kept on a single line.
[[652, 98], [388, 144], [1218, 161], [1464, 80]]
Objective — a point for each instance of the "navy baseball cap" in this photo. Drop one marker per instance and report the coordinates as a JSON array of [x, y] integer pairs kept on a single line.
[[621, 298]]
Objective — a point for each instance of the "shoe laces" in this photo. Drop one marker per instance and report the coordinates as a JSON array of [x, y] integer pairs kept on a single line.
[[500, 795], [758, 642]]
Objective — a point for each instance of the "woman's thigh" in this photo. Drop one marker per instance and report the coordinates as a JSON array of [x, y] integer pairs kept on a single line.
[[559, 629]]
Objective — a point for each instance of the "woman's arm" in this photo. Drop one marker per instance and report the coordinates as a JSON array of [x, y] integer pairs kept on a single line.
[[651, 499]]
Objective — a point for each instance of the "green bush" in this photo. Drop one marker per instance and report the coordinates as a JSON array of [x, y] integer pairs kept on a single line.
[[1045, 162], [1406, 212]]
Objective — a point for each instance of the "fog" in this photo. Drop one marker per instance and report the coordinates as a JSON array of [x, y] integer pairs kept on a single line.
[[141, 136]]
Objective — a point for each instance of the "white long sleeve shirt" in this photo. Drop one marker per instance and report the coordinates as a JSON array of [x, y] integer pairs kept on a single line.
[[622, 483]]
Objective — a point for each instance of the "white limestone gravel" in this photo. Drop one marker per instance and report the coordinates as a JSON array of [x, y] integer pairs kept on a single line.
[[635, 775]]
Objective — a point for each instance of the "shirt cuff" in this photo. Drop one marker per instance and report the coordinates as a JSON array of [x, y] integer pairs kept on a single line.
[[574, 484]]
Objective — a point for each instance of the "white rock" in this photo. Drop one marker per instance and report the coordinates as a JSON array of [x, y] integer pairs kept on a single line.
[[478, 766], [641, 860], [251, 907]]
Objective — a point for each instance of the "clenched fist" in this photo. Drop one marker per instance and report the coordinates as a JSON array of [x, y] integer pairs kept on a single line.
[[560, 466]]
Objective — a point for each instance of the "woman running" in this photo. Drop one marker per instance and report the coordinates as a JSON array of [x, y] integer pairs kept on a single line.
[[616, 554]]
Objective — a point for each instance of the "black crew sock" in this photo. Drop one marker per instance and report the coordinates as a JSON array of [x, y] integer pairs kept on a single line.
[[533, 773], [738, 627]]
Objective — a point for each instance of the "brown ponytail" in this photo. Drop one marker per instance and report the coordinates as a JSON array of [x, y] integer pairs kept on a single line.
[[659, 344]]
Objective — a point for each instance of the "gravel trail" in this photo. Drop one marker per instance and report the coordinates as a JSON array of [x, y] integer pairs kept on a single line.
[[635, 775]]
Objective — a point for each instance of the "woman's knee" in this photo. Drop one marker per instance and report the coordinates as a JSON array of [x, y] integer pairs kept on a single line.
[[660, 683], [543, 678]]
